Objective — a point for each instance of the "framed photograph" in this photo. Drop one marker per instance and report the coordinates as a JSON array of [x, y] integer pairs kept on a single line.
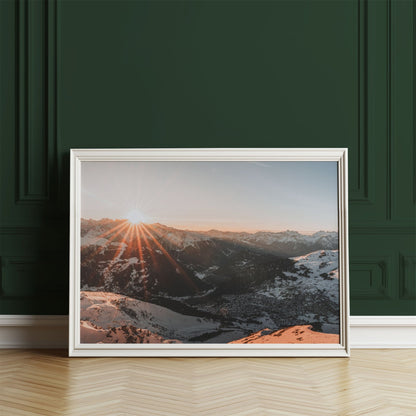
[[209, 252]]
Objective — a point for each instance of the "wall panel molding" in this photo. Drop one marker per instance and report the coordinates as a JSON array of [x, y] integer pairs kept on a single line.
[[374, 275], [407, 276], [36, 100], [18, 276], [388, 91], [359, 191], [413, 16], [389, 112], [402, 152]]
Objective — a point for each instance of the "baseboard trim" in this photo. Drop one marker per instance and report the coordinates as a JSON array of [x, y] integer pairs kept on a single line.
[[383, 331], [51, 331], [33, 331]]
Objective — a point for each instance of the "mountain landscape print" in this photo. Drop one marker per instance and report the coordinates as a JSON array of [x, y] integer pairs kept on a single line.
[[209, 252]]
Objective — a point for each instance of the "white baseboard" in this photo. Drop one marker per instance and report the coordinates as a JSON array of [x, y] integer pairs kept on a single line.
[[383, 331], [33, 331], [51, 331]]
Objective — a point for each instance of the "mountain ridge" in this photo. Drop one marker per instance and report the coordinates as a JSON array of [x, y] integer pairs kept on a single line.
[[286, 243]]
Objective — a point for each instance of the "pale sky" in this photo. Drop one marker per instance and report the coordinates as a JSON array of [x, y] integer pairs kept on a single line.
[[234, 196]]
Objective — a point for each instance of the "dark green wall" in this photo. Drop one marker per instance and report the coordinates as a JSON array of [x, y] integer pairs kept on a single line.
[[202, 74]]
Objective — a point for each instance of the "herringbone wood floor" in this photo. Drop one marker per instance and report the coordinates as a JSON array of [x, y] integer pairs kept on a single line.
[[371, 382]]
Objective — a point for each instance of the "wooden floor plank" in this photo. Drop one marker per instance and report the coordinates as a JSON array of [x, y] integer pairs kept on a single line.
[[371, 382]]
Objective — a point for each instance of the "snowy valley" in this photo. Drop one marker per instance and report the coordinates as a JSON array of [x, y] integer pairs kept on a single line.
[[150, 283]]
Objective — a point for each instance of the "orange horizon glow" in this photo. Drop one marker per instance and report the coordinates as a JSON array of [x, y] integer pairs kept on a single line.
[[243, 230], [198, 228]]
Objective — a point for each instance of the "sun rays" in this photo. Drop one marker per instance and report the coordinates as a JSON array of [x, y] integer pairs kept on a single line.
[[144, 241], [178, 268]]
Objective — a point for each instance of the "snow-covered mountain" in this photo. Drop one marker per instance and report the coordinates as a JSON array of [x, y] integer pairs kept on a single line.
[[154, 260], [314, 284], [314, 271], [187, 286], [323, 263], [285, 243], [106, 310]]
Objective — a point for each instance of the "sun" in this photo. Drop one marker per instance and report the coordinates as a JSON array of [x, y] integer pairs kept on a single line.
[[135, 217]]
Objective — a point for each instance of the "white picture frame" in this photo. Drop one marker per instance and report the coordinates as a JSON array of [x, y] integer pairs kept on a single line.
[[80, 156]]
